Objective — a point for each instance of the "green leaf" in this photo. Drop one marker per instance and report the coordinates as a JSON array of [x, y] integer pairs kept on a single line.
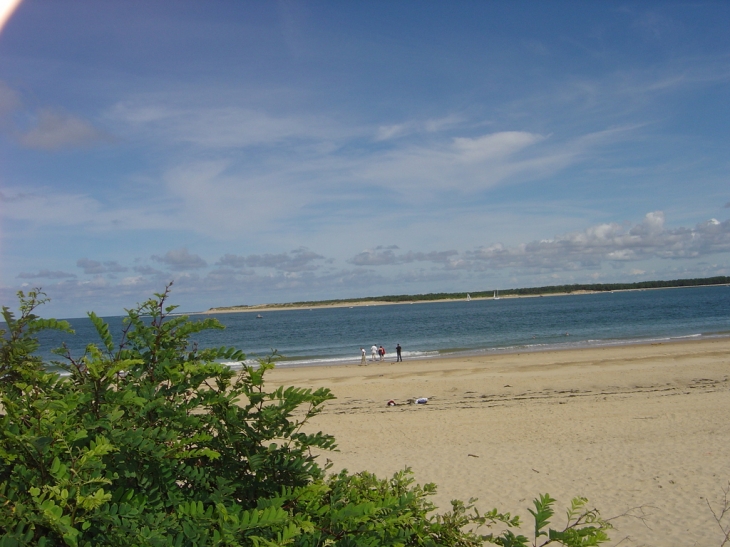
[[41, 443], [542, 513], [102, 330]]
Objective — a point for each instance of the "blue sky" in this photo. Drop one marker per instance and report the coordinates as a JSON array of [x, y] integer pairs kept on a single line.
[[283, 151]]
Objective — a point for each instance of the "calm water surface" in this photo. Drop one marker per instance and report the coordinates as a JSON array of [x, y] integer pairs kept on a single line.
[[335, 335]]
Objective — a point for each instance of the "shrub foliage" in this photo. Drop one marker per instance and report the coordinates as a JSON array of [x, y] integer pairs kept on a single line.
[[151, 441]]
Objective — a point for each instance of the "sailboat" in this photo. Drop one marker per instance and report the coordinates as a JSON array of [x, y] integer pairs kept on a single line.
[[468, 297], [496, 295]]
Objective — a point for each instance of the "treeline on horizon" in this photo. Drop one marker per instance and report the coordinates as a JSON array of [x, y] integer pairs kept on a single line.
[[526, 291]]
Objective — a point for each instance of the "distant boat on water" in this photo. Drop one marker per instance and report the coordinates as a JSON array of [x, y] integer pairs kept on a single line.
[[496, 295], [259, 316], [468, 297]]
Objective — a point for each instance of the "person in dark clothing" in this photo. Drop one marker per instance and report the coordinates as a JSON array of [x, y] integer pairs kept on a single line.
[[397, 352]]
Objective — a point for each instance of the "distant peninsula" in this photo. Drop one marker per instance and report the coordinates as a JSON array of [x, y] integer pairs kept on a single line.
[[550, 290]]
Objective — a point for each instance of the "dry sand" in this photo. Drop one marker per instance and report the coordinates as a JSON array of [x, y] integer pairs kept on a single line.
[[632, 426]]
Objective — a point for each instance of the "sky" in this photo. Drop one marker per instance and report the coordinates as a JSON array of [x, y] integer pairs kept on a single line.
[[259, 152]]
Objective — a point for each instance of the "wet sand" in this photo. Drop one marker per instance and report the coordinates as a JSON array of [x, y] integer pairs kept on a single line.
[[641, 426]]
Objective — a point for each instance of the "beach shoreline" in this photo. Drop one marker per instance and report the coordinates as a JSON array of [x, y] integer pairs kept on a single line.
[[436, 355], [640, 425]]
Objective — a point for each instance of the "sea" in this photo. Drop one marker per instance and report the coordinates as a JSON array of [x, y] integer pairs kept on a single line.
[[334, 336]]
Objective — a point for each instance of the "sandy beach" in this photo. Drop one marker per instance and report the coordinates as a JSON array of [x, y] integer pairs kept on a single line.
[[640, 428]]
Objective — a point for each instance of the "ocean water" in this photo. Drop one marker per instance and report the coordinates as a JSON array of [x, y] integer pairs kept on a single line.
[[335, 335]]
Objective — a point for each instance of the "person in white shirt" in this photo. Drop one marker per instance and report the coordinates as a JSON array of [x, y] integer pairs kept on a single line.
[[362, 360], [373, 352]]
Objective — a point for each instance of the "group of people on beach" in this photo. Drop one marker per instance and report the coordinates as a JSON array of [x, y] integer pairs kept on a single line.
[[379, 353]]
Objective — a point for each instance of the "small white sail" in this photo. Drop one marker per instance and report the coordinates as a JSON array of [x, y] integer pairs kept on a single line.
[[496, 295], [468, 297]]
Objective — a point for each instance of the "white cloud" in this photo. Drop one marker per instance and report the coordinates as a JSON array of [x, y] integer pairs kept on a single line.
[[493, 146], [611, 242]]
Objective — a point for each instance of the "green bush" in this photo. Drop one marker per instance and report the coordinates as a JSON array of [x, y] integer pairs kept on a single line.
[[152, 441]]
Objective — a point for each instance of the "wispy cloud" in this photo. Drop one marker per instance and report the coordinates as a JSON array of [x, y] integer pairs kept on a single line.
[[9, 100], [46, 274], [181, 260], [298, 260], [45, 128], [222, 127], [54, 130], [96, 267], [42, 206], [472, 164], [653, 24], [287, 168], [149, 271], [394, 131], [389, 257]]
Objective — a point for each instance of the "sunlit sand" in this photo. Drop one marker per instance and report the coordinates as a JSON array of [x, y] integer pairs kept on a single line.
[[632, 426]]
